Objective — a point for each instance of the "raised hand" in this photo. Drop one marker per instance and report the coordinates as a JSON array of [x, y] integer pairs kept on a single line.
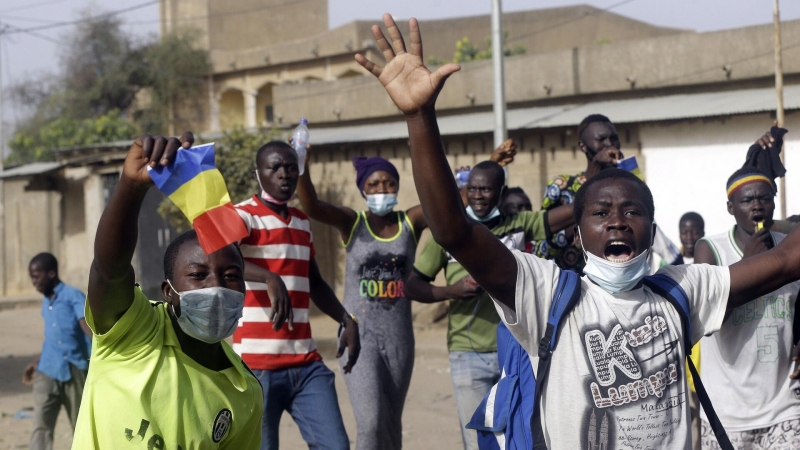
[[504, 154], [150, 151], [766, 140], [607, 156], [409, 83]]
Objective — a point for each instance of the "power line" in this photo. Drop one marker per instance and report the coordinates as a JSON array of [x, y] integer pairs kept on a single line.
[[84, 20], [655, 83]]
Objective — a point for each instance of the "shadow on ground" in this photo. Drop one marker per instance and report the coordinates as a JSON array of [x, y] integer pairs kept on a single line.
[[11, 368]]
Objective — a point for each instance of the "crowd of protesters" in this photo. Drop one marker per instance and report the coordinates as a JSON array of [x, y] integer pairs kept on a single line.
[[162, 374]]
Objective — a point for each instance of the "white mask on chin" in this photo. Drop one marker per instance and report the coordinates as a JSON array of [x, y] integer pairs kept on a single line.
[[615, 277]]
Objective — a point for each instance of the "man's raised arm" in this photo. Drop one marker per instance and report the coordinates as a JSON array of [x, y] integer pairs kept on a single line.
[[763, 273], [111, 276], [414, 89]]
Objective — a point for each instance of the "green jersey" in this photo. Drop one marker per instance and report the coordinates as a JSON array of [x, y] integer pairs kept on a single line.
[[472, 325]]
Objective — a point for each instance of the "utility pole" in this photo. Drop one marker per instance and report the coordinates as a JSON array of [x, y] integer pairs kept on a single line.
[[776, 14], [500, 131], [3, 268]]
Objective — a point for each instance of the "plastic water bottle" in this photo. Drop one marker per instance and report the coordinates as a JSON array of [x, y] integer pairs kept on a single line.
[[300, 141]]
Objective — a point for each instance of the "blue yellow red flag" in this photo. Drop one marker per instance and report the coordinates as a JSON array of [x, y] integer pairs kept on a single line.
[[631, 166], [195, 185]]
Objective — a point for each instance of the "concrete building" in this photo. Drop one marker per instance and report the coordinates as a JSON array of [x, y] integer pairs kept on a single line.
[[686, 104]]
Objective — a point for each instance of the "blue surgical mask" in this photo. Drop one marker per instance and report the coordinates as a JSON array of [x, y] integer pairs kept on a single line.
[[494, 213], [615, 277], [381, 204], [210, 314]]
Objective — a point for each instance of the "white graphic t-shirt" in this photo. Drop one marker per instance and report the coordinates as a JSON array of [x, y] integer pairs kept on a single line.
[[617, 376]]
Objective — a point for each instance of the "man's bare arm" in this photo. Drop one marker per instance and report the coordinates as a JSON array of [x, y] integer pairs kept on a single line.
[[340, 217], [278, 295], [560, 218], [414, 90], [424, 292], [323, 296], [703, 254], [763, 273], [111, 276]]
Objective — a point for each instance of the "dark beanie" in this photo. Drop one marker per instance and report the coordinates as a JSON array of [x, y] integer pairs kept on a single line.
[[367, 166]]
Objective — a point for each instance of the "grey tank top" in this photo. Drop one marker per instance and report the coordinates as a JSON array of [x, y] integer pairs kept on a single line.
[[376, 271]]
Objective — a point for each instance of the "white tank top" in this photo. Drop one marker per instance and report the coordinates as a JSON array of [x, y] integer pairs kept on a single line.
[[746, 364]]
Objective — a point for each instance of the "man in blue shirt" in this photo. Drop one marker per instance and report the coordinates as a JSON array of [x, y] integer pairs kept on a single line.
[[58, 373]]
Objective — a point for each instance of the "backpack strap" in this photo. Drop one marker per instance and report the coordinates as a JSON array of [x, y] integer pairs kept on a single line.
[[567, 294], [674, 293]]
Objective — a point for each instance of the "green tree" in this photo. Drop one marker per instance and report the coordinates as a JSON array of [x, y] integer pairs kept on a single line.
[[109, 87], [235, 154], [30, 145], [176, 85], [102, 70]]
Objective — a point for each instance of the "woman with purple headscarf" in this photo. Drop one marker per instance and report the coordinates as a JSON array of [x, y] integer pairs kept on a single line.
[[381, 245]]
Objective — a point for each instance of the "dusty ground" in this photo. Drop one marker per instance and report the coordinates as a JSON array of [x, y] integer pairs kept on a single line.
[[429, 419]]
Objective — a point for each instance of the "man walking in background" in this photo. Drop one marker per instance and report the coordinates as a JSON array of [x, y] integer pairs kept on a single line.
[[472, 325], [59, 372]]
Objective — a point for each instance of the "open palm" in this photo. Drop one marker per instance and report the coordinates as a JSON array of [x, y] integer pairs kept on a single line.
[[409, 83]]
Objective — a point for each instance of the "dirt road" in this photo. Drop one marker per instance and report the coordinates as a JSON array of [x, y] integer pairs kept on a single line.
[[429, 419]]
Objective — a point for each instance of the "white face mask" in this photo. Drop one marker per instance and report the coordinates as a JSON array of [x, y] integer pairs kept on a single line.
[[494, 213], [381, 204], [615, 277], [210, 314]]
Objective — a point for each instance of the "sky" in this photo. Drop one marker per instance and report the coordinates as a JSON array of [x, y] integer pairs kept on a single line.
[[30, 54]]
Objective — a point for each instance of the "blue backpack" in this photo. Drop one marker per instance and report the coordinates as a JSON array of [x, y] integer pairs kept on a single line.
[[508, 418]]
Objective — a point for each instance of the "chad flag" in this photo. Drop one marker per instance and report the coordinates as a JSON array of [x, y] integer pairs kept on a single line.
[[631, 166], [195, 185]]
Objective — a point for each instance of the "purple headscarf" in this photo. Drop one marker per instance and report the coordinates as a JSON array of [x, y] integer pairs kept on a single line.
[[367, 166]]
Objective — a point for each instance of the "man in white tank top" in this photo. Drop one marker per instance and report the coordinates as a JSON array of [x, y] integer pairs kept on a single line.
[[748, 364]]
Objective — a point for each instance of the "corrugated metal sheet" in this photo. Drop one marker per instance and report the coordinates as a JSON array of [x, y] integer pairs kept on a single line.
[[651, 109], [31, 169]]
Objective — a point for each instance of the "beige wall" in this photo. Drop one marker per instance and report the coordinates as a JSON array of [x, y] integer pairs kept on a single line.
[[62, 221], [531, 29], [682, 62], [243, 24], [536, 30], [177, 14], [33, 221]]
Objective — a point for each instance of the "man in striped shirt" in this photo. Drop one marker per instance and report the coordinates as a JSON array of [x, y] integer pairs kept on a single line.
[[274, 335]]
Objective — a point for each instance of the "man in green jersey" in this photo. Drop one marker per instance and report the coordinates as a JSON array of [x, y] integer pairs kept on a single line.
[[472, 327]]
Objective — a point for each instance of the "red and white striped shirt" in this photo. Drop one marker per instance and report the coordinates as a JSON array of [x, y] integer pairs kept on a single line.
[[285, 247]]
